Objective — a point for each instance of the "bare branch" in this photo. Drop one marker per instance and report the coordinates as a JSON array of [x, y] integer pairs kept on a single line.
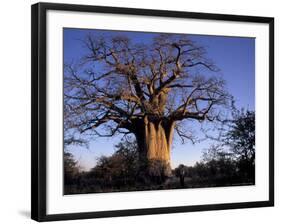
[[119, 83]]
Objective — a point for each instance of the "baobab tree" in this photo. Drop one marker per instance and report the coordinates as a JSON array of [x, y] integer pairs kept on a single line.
[[146, 90]]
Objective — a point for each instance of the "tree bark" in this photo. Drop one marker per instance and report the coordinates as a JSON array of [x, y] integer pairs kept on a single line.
[[154, 140]]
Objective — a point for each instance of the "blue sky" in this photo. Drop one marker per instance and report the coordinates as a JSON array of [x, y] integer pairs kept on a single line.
[[235, 56]]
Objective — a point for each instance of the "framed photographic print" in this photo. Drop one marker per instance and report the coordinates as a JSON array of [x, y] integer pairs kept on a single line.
[[138, 111]]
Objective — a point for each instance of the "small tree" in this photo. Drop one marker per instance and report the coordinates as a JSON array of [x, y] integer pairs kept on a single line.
[[241, 136], [216, 152], [241, 141], [181, 171], [119, 169], [128, 151], [71, 169]]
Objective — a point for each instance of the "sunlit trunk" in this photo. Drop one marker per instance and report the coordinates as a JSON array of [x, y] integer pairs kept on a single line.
[[158, 141], [155, 140]]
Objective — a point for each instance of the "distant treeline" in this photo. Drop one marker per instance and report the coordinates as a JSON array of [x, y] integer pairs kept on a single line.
[[229, 163]]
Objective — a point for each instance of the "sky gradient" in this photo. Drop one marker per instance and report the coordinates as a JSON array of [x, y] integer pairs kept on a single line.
[[235, 57]]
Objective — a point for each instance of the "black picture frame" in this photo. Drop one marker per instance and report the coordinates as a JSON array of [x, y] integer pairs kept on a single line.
[[39, 123]]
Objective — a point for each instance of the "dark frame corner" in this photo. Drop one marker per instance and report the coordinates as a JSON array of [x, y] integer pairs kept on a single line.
[[38, 108]]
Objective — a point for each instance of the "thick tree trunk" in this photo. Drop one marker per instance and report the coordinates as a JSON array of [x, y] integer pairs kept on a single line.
[[154, 141], [158, 138]]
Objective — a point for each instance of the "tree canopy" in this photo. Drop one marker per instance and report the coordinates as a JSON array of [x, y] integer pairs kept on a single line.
[[119, 83]]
